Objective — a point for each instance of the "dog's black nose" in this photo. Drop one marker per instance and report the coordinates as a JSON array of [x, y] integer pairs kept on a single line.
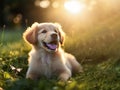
[[54, 36]]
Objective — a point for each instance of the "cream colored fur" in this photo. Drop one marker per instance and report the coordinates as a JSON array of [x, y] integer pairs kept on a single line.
[[43, 61]]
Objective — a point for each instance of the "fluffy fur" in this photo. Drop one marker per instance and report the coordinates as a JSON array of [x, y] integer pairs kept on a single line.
[[47, 58]]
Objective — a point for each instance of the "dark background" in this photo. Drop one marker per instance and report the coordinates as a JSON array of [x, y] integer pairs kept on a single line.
[[27, 12]]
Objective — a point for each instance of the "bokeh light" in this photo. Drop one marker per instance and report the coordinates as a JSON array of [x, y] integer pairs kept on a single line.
[[55, 4], [37, 3], [44, 3], [17, 18], [74, 6]]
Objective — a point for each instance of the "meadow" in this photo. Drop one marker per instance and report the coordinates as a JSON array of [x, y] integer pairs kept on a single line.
[[96, 48]]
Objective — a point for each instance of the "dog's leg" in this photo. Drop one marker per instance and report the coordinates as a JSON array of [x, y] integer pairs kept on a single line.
[[32, 75], [74, 64], [64, 75], [76, 67]]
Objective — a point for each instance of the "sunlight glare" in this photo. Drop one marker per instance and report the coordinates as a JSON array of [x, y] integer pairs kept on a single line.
[[74, 6], [92, 5]]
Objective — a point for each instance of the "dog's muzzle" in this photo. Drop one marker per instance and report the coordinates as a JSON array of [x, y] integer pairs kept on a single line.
[[53, 44]]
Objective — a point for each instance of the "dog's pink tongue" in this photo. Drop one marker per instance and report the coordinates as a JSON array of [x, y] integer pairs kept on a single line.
[[52, 46]]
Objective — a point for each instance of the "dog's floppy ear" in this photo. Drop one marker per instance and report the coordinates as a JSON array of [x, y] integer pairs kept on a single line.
[[61, 33], [30, 35]]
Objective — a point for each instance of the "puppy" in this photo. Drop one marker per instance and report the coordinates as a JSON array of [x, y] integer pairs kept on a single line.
[[47, 58]]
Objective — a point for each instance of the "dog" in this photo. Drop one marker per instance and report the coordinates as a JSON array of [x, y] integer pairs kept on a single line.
[[47, 58]]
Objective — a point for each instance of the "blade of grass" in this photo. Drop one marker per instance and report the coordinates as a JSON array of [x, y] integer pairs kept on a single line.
[[2, 36]]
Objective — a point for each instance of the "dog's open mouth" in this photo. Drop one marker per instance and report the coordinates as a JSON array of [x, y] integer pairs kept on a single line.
[[52, 45]]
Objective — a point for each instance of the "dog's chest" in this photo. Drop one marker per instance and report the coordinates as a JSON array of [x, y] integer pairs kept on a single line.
[[46, 65]]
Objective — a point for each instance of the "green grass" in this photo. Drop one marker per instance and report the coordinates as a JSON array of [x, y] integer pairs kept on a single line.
[[97, 49]]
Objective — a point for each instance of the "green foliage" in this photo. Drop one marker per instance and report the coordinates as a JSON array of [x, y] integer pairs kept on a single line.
[[98, 51]]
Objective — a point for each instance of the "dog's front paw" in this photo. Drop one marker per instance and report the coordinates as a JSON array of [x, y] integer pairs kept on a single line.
[[64, 76], [32, 76]]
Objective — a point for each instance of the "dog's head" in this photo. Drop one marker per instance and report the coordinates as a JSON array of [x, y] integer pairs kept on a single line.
[[48, 36]]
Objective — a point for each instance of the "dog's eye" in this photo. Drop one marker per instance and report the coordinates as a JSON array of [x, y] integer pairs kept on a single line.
[[55, 30], [44, 31]]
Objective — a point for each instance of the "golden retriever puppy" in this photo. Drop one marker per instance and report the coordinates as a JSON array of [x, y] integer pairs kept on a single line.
[[47, 58]]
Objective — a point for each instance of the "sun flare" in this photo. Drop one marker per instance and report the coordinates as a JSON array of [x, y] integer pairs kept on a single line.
[[74, 6]]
